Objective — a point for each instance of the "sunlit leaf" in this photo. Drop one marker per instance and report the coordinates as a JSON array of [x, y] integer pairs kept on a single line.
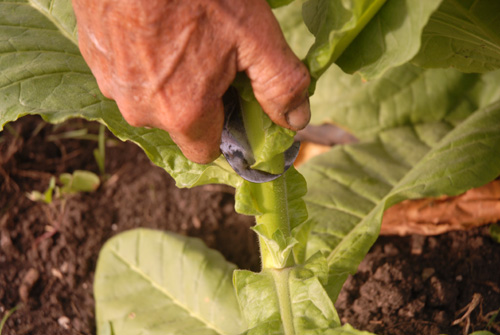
[[390, 39], [406, 95], [298, 37], [462, 34], [335, 24], [285, 301], [351, 186], [156, 282]]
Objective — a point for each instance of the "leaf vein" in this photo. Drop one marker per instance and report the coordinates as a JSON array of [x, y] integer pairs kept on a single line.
[[164, 291]]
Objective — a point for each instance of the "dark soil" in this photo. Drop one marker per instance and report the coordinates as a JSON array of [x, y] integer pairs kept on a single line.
[[48, 252], [418, 285]]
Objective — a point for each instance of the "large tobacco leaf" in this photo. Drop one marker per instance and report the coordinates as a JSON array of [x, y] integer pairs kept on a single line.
[[298, 37], [404, 96], [390, 39], [163, 283], [409, 153], [368, 37], [462, 34], [335, 24]]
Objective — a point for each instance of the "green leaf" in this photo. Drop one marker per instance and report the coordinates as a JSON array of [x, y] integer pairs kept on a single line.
[[406, 95], [390, 39], [267, 140], [462, 34], [161, 283], [482, 332], [369, 36], [249, 200], [298, 37], [335, 24], [351, 186], [60, 13], [280, 247], [290, 301], [285, 301], [278, 3], [43, 73], [79, 181], [256, 293]]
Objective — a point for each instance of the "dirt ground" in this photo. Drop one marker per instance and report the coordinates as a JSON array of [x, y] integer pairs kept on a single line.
[[414, 285]]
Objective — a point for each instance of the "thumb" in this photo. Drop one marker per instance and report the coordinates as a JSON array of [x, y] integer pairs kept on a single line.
[[279, 79]]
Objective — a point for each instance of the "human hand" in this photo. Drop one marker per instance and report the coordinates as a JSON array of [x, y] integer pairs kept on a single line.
[[167, 64]]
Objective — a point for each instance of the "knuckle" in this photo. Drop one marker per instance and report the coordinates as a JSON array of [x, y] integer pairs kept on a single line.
[[284, 84]]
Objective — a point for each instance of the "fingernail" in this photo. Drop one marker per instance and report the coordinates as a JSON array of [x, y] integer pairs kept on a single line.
[[299, 117]]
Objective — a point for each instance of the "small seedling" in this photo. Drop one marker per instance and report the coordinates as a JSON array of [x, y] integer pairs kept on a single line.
[[47, 195], [6, 316], [78, 181]]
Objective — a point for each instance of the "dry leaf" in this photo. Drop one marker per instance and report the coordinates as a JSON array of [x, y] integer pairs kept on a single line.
[[434, 216], [308, 150]]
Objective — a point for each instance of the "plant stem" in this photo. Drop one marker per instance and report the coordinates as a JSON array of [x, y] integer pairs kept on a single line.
[[272, 197], [282, 289]]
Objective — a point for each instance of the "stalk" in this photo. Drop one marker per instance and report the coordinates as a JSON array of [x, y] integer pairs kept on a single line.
[[283, 291], [273, 198]]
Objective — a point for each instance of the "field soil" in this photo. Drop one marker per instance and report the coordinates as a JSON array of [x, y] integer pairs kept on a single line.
[[446, 284]]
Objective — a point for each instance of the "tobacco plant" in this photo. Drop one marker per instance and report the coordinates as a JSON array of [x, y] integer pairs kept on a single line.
[[415, 81]]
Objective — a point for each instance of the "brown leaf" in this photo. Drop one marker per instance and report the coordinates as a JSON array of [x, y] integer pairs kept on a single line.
[[308, 150], [434, 216]]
